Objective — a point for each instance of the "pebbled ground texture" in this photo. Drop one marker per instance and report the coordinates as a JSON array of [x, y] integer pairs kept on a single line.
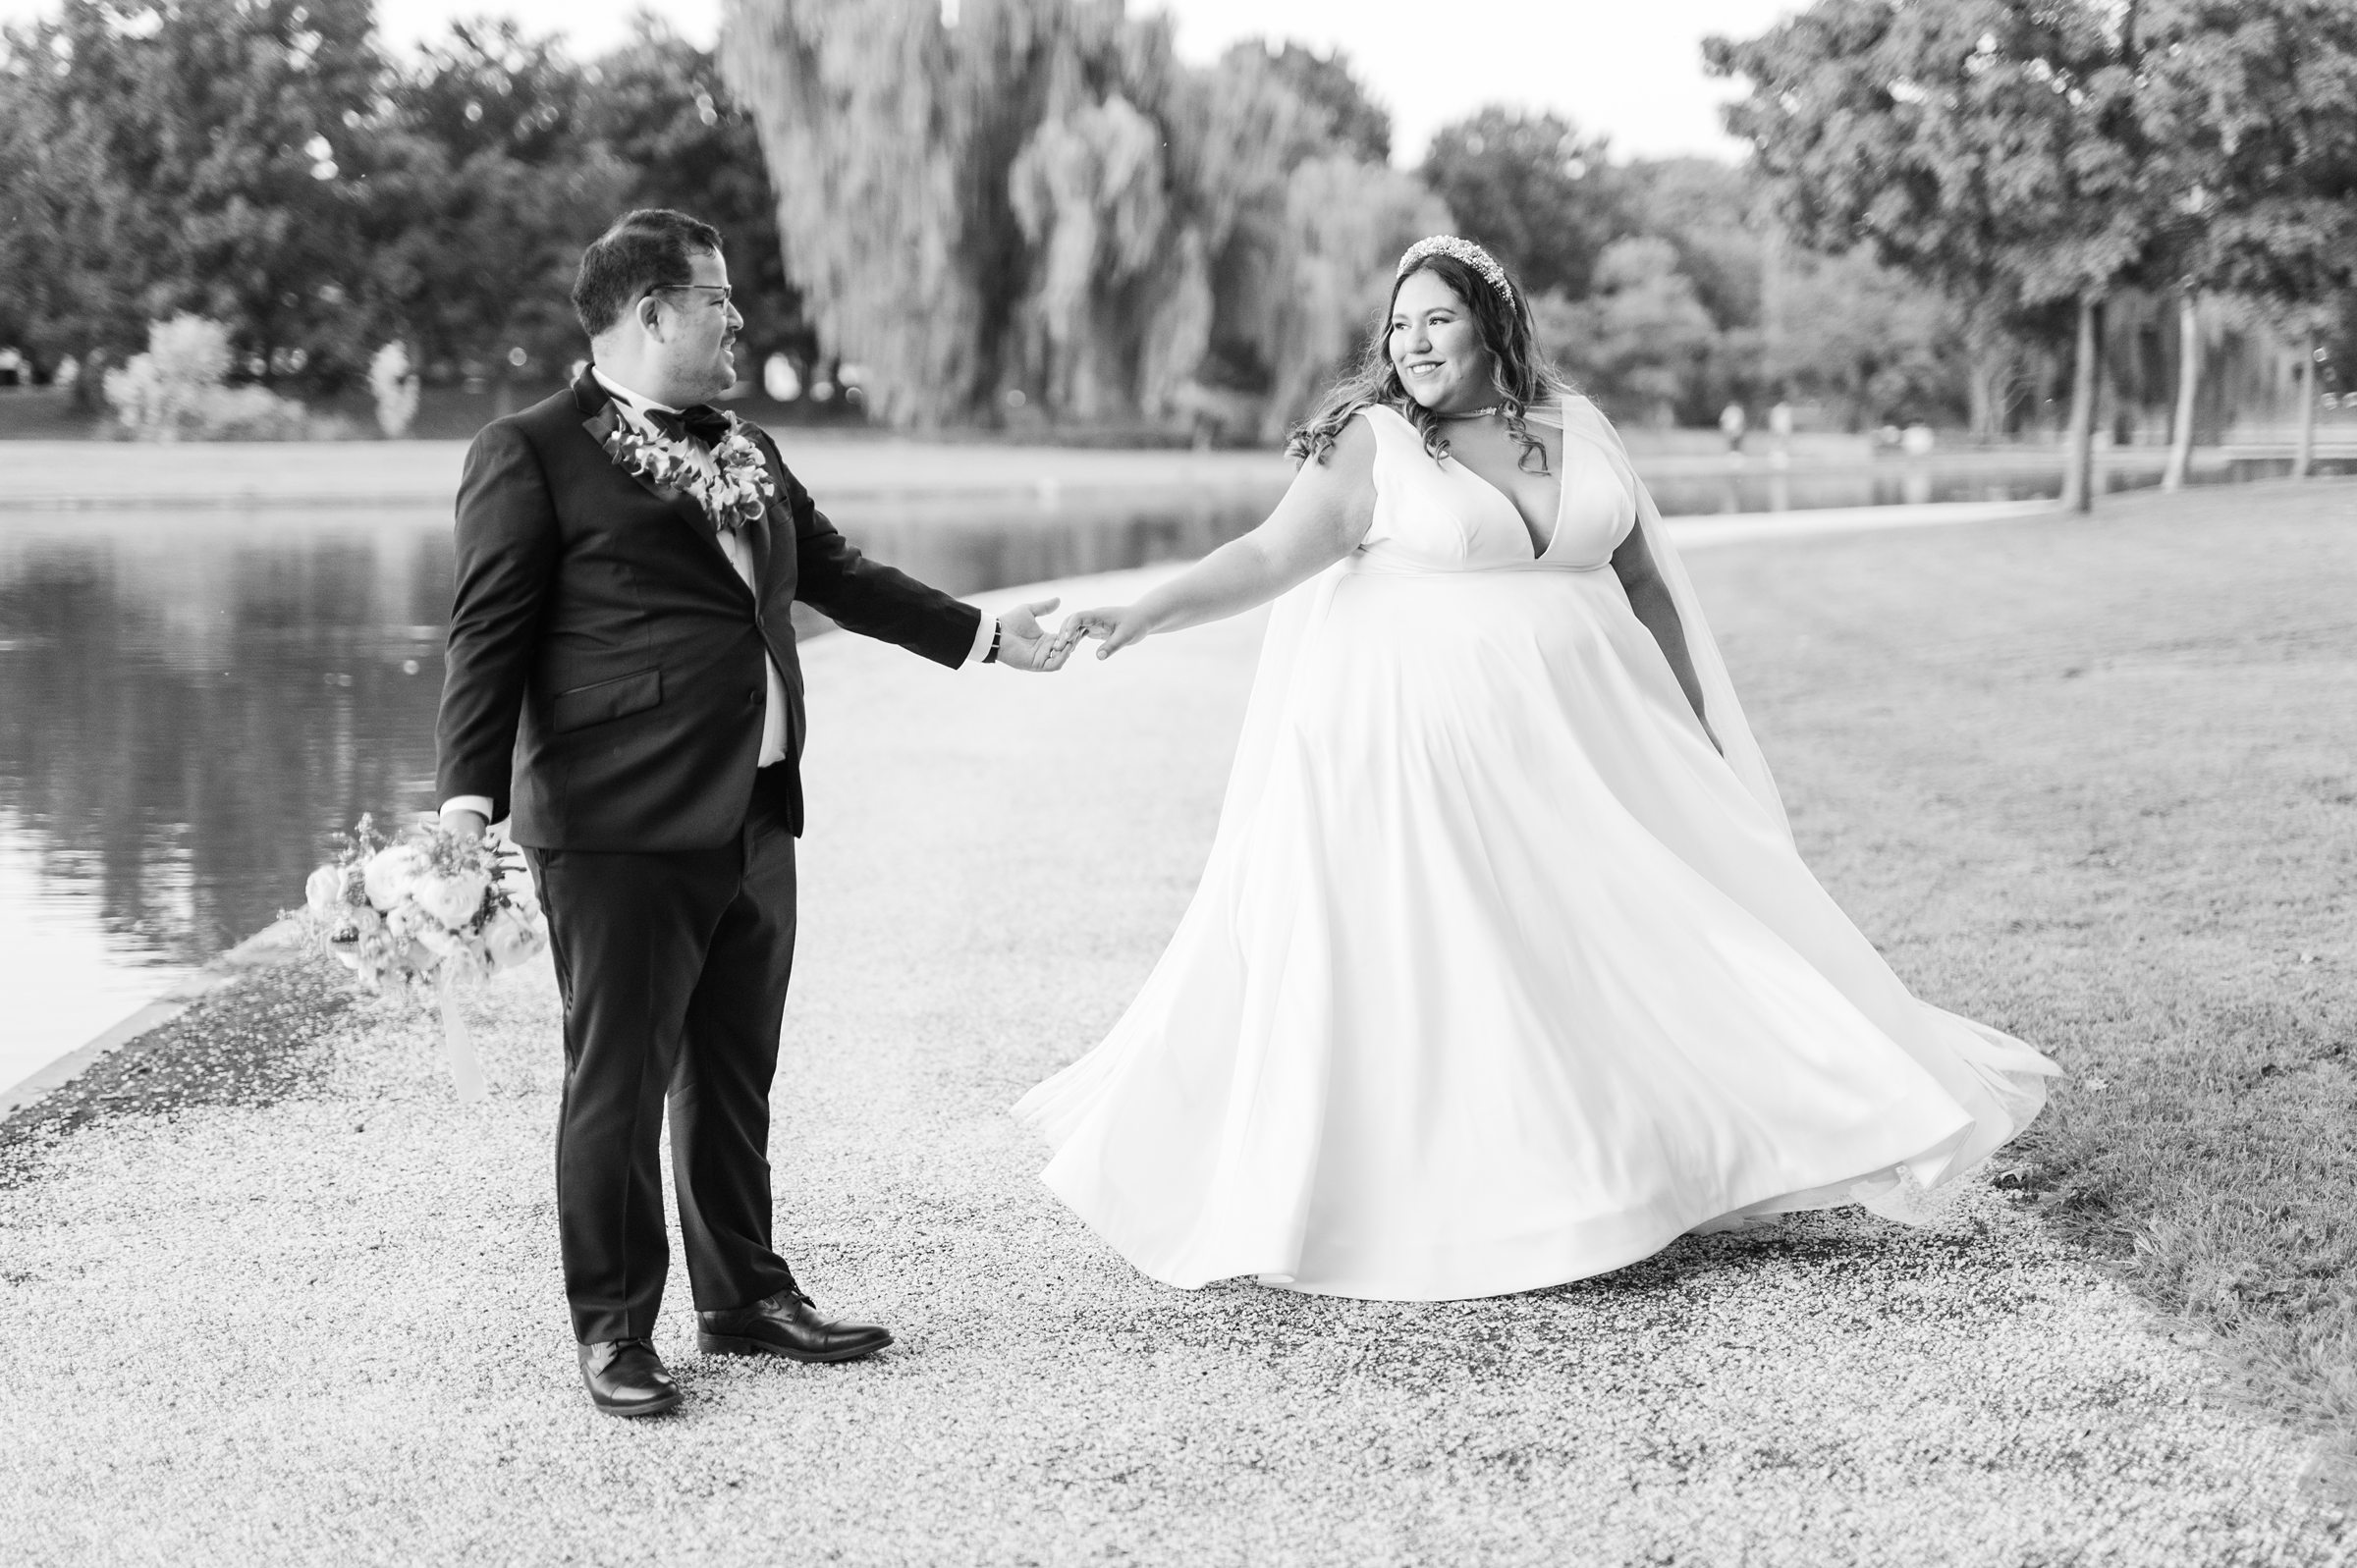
[[322, 1322]]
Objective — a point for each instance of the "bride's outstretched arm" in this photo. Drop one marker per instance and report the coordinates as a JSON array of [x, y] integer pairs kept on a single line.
[[1321, 520], [1649, 596]]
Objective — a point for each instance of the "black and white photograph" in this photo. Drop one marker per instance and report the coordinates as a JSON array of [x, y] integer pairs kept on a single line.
[[1311, 782]]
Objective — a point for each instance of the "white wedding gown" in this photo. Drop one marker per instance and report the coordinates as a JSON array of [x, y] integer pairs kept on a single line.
[[1499, 974]]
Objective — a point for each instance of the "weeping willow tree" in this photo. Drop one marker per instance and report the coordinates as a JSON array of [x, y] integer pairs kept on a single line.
[[855, 105], [1345, 224], [1037, 197], [1092, 198]]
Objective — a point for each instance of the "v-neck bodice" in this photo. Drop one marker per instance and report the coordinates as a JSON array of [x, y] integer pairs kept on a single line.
[[1442, 517]]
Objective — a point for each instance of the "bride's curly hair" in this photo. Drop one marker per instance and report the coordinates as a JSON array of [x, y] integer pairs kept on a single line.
[[1519, 371]]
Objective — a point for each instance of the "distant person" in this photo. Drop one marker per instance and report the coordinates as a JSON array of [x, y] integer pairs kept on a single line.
[[623, 680], [1505, 970], [1732, 422], [1780, 431]]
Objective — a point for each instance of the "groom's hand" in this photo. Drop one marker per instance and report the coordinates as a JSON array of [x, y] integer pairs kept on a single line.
[[467, 825], [1024, 644]]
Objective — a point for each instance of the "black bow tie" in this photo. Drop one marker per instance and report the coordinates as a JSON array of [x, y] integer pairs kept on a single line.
[[704, 422]]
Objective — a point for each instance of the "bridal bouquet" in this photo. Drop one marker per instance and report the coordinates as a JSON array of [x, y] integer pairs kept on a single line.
[[429, 907]]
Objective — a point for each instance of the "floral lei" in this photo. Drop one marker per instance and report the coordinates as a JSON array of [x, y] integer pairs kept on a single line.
[[739, 489]]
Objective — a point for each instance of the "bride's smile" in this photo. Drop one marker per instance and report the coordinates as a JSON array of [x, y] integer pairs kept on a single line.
[[1435, 347]]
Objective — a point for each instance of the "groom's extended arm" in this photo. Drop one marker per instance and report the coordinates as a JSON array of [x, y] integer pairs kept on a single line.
[[507, 551], [860, 595]]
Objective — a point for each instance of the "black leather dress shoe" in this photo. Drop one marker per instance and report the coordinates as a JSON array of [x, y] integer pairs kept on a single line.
[[785, 1325], [626, 1377]]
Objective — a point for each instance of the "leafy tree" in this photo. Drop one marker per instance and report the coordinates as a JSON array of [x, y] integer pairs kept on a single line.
[[486, 185], [1040, 199], [1640, 339], [890, 136], [59, 295], [1239, 130], [1088, 190], [1346, 223], [661, 108], [1533, 190], [1868, 341], [2251, 109], [162, 157], [1705, 209], [1355, 124], [1987, 148]]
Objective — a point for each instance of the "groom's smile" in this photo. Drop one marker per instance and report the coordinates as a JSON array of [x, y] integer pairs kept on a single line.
[[695, 329]]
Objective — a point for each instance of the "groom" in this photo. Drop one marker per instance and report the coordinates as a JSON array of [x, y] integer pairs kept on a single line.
[[623, 682]]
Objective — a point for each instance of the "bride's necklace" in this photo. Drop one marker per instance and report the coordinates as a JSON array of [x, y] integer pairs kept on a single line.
[[1475, 413]]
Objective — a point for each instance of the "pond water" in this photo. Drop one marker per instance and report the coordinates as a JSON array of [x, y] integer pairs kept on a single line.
[[192, 703]]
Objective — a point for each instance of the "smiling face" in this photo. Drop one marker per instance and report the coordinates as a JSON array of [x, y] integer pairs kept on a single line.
[[691, 334], [1435, 344]]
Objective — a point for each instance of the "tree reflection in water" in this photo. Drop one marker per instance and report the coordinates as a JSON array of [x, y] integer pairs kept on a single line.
[[192, 703]]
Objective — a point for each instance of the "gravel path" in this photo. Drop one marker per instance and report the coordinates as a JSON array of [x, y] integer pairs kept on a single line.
[[323, 1323]]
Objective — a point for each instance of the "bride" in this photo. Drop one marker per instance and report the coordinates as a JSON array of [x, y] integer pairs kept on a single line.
[[1505, 970]]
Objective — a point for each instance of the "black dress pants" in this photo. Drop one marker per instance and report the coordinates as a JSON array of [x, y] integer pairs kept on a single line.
[[673, 969]]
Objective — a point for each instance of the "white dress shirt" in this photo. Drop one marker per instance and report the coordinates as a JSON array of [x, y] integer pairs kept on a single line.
[[732, 543]]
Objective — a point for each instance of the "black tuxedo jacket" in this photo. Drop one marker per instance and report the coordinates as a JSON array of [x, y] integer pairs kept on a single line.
[[605, 678]]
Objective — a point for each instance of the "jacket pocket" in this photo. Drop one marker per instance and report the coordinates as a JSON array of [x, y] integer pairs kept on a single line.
[[618, 698]]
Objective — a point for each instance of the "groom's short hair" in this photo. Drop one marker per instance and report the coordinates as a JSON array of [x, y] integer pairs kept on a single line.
[[648, 248]]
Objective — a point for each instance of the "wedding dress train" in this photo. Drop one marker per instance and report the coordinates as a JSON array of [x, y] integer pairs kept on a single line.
[[1499, 974]]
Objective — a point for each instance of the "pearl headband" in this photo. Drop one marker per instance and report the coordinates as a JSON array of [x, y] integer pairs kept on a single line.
[[1464, 250]]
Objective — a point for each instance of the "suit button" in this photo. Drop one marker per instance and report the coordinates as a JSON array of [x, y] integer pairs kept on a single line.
[[752, 698]]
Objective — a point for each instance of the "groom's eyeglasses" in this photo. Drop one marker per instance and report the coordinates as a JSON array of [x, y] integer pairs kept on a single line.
[[727, 295]]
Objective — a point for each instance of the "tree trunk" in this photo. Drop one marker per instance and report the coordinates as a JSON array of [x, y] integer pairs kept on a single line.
[[2305, 457], [1991, 364], [2078, 441], [90, 382], [1980, 387], [2189, 383]]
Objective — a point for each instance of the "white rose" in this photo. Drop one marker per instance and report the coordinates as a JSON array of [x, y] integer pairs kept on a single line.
[[390, 873], [452, 899], [323, 895], [512, 937], [353, 924]]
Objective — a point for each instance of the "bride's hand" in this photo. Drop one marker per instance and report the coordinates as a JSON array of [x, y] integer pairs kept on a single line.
[[1117, 627]]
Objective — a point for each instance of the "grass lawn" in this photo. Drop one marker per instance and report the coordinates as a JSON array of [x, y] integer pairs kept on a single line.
[[2095, 782]]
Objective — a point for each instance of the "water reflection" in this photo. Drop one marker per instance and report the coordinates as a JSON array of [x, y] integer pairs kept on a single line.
[[192, 703]]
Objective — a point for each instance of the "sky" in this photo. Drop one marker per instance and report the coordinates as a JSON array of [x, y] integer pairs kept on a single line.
[[1630, 68]]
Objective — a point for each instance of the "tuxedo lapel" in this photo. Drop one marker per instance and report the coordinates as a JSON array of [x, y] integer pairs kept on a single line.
[[601, 426], [604, 418], [775, 530]]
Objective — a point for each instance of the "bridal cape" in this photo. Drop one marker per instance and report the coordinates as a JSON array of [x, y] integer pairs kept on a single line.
[[1499, 974]]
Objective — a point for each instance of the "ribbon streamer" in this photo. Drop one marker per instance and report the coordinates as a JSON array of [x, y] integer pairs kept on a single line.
[[458, 1045]]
